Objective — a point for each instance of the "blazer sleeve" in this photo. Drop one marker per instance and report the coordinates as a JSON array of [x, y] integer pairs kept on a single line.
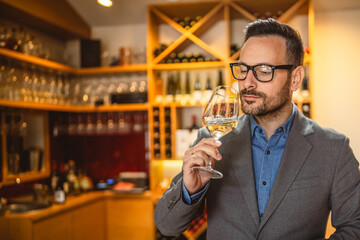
[[345, 196], [172, 214]]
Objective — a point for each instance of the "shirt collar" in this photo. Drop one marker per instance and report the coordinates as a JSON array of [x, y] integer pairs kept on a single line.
[[285, 127]]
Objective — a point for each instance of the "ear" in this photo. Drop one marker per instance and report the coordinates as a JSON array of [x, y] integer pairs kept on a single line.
[[297, 77]]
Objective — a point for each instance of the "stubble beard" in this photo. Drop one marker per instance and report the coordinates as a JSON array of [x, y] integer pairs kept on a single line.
[[270, 106]]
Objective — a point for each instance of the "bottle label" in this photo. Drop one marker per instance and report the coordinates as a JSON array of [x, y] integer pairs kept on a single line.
[[197, 96], [59, 196]]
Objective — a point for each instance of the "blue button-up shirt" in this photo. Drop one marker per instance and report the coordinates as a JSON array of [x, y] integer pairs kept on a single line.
[[266, 155]]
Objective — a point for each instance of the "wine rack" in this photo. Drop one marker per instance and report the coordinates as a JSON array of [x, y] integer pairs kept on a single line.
[[168, 134], [163, 117], [170, 56], [156, 133]]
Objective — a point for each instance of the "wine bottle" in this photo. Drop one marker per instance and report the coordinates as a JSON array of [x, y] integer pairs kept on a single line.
[[208, 90], [176, 59], [200, 58], [193, 58], [54, 179], [194, 125], [220, 80], [197, 94], [180, 56], [177, 88], [158, 89], [170, 89], [59, 194]]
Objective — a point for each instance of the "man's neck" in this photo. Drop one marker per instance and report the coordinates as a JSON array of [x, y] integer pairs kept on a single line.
[[272, 121]]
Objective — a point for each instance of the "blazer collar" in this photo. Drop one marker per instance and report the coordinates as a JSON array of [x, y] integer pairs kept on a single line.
[[240, 144], [296, 151], [291, 163]]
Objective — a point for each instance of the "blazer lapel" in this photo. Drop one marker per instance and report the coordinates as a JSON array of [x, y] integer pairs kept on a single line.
[[240, 145], [295, 153]]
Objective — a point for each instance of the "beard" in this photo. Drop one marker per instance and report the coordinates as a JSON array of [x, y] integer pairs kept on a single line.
[[270, 106]]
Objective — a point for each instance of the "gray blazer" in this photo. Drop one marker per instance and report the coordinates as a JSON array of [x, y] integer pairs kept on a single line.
[[318, 173]]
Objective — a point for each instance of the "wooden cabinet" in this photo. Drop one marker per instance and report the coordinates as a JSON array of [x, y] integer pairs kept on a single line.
[[85, 222], [97, 215], [56, 227], [89, 222], [130, 218]]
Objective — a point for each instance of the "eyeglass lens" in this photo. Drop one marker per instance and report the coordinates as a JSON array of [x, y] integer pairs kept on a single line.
[[261, 72]]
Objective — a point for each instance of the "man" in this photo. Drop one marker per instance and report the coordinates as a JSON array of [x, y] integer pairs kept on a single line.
[[283, 173]]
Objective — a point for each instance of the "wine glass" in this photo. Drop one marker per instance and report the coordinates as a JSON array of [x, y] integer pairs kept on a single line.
[[220, 118]]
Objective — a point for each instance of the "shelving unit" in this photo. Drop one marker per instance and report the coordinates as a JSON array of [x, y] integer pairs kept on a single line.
[[223, 12]]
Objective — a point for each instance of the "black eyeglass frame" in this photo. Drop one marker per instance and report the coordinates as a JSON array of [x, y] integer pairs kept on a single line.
[[273, 67]]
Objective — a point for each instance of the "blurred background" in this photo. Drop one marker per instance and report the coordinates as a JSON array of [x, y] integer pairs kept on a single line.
[[99, 103]]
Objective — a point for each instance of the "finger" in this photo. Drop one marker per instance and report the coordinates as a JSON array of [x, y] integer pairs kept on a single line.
[[211, 141], [194, 161], [209, 150]]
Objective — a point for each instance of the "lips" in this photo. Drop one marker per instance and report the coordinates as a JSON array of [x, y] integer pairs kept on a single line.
[[250, 97]]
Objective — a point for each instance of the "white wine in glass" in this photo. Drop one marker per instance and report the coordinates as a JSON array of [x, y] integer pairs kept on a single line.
[[220, 118]]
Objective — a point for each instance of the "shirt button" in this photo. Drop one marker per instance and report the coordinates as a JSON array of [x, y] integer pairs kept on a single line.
[[261, 215], [268, 152], [264, 183], [260, 130]]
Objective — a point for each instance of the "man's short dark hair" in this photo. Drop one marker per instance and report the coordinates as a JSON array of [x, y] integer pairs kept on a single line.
[[269, 27]]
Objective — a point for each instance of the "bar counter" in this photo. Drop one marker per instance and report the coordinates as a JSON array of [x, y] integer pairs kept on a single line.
[[95, 215]]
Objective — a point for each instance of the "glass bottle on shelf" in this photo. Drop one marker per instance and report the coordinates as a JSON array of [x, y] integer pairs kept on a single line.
[[221, 82], [193, 130], [59, 194], [178, 95], [208, 90], [197, 94], [158, 88], [54, 178], [187, 96], [170, 88]]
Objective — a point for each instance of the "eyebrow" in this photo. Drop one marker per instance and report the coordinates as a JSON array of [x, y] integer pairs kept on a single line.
[[256, 64]]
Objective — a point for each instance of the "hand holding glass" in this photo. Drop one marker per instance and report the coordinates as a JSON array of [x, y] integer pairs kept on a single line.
[[220, 118]]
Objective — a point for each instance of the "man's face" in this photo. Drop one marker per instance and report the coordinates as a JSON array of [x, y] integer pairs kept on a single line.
[[265, 98]]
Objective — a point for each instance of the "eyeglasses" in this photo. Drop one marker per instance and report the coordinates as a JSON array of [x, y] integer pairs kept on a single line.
[[262, 72]]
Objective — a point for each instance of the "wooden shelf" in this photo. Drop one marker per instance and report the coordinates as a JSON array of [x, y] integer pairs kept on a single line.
[[195, 65], [36, 60], [69, 108], [114, 69]]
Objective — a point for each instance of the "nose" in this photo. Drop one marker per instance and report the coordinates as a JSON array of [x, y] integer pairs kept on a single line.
[[249, 82]]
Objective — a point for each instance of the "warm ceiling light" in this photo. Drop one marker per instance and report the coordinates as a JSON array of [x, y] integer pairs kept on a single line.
[[105, 3]]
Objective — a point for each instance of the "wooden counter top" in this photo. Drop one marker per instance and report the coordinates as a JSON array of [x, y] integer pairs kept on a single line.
[[74, 202]]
